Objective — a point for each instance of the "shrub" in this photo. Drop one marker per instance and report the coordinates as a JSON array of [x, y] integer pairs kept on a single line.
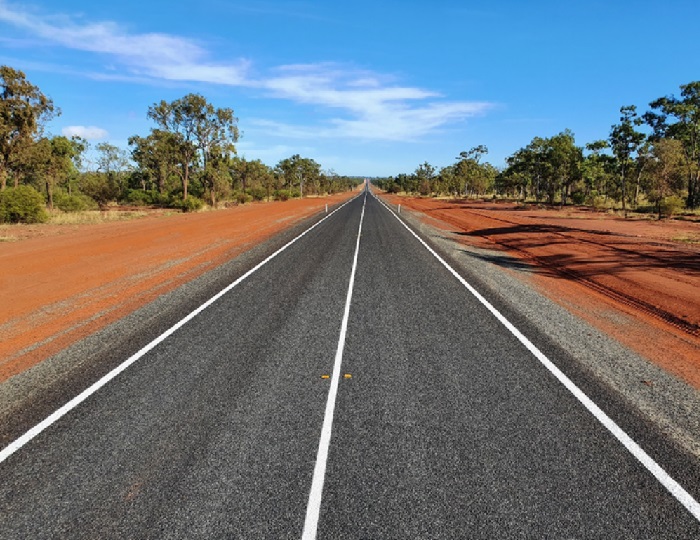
[[257, 193], [282, 195], [76, 202], [138, 197], [242, 198], [670, 206], [22, 204], [578, 197], [190, 204]]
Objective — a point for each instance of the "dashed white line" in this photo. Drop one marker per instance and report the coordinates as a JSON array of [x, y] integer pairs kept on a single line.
[[313, 508], [673, 487], [77, 400]]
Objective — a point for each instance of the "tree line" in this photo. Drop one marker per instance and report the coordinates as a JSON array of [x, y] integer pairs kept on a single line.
[[648, 161], [188, 158]]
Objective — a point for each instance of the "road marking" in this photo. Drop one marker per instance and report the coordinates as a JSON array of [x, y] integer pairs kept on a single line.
[[77, 400], [673, 487], [313, 508]]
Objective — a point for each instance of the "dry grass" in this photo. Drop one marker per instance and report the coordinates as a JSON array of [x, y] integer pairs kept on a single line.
[[93, 216], [687, 239]]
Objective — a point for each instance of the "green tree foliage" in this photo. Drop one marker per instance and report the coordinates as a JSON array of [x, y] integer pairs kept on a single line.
[[156, 156], [22, 204], [679, 119], [199, 132], [23, 111], [300, 173], [625, 141], [549, 167], [425, 176], [597, 172], [252, 177], [664, 177], [98, 187]]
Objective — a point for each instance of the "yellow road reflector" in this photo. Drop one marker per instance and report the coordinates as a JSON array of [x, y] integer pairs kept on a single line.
[[325, 376], [348, 376]]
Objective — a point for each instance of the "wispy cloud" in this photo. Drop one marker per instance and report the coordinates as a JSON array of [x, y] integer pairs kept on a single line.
[[365, 105], [151, 54], [90, 133]]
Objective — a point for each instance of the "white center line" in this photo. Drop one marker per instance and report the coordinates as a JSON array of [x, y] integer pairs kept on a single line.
[[77, 400], [673, 487], [313, 508]]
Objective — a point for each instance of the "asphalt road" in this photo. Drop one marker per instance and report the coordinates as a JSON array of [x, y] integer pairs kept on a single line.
[[444, 425]]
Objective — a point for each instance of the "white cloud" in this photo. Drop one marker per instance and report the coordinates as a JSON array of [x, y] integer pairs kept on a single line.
[[90, 133], [151, 54], [366, 105]]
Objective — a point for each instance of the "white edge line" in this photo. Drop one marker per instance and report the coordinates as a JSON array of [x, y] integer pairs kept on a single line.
[[77, 400], [313, 508], [685, 498]]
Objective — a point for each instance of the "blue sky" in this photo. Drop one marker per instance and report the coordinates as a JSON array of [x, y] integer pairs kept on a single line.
[[364, 88]]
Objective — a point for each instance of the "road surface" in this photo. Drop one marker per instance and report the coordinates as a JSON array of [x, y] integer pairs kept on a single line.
[[351, 386]]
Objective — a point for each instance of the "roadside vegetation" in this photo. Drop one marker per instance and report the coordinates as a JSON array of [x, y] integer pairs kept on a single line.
[[648, 164], [186, 162]]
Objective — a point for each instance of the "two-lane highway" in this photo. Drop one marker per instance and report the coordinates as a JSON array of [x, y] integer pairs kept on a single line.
[[443, 423]]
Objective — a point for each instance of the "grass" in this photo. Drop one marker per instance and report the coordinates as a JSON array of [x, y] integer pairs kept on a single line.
[[685, 239], [93, 216]]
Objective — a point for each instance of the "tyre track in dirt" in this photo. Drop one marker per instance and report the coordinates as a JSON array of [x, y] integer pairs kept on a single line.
[[685, 263], [627, 299]]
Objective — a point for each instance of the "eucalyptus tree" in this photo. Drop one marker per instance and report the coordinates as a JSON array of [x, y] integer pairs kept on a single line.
[[23, 111], [48, 163], [565, 159], [468, 171], [200, 132], [425, 175], [665, 174], [156, 154], [113, 163], [596, 170], [679, 119], [533, 164], [250, 174], [625, 140], [296, 170]]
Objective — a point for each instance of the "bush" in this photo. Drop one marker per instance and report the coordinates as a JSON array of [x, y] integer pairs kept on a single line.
[[257, 193], [190, 204], [282, 195], [76, 202], [22, 204], [242, 198], [670, 206], [578, 197], [138, 197]]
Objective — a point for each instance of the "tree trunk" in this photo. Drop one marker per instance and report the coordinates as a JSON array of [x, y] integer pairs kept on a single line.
[[637, 189], [185, 179], [49, 194], [624, 194], [693, 200]]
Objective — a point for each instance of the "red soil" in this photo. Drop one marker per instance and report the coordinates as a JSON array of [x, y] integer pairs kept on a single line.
[[637, 280], [60, 283]]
